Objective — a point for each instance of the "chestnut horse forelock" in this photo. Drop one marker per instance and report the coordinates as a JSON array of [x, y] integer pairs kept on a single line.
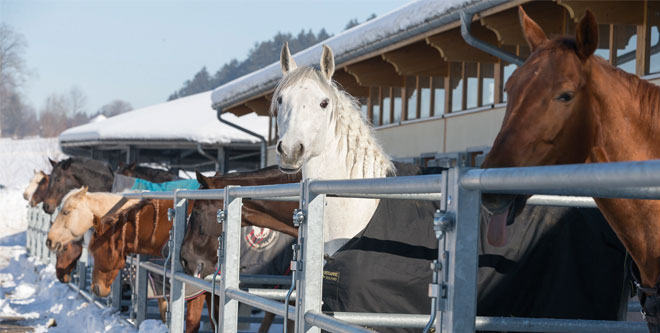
[[67, 259], [40, 193], [567, 105]]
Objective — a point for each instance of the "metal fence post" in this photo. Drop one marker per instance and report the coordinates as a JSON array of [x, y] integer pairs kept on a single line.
[[177, 288], [310, 275], [141, 286], [231, 235], [116, 292], [82, 275], [460, 258]]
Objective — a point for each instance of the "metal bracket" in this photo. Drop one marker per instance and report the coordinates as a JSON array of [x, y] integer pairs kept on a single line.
[[442, 223], [298, 217], [295, 265], [220, 216], [170, 215]]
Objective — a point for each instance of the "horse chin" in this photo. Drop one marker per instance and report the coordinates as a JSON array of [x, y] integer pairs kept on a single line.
[[290, 170]]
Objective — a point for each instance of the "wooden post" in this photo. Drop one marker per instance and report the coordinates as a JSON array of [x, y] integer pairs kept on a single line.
[[432, 96], [418, 100], [498, 77], [370, 107], [391, 92], [380, 108], [465, 86], [642, 53], [480, 85], [404, 100]]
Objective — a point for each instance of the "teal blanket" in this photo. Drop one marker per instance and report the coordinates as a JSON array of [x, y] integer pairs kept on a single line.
[[141, 184]]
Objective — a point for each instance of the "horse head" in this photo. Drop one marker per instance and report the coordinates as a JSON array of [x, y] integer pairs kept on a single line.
[[67, 259], [32, 186], [107, 247], [40, 192], [127, 169], [62, 180], [72, 222], [198, 250], [304, 101], [547, 114]]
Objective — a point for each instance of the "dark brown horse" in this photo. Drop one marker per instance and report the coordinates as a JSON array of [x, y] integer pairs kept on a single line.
[[40, 192], [151, 174], [73, 173], [67, 260], [567, 105]]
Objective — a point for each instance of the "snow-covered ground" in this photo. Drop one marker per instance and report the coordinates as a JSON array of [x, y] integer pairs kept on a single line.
[[30, 294]]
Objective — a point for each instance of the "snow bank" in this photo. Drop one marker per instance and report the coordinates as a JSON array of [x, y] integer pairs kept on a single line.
[[343, 44], [19, 159], [189, 118]]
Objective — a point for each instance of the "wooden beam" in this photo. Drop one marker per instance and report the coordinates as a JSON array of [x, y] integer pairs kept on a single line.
[[417, 59], [464, 87], [418, 99], [370, 107], [239, 110], [614, 12], [498, 74], [453, 48], [381, 112], [391, 111], [643, 44], [375, 72], [348, 82], [506, 24], [259, 106]]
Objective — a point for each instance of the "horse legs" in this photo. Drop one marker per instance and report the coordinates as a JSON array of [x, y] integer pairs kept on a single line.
[[162, 307], [266, 322], [194, 314]]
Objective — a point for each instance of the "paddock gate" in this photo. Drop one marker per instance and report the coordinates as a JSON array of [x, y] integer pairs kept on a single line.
[[453, 289]]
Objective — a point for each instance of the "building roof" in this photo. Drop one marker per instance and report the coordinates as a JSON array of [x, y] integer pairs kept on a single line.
[[187, 119], [411, 19]]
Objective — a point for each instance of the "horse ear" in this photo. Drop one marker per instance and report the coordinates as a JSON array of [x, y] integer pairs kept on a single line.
[[286, 60], [52, 163], [203, 181], [67, 163], [327, 62], [83, 191], [586, 35], [533, 33]]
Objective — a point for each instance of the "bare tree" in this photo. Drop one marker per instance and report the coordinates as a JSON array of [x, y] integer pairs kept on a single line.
[[114, 108], [12, 65]]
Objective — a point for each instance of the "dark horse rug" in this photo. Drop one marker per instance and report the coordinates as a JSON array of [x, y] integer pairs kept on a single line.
[[559, 263]]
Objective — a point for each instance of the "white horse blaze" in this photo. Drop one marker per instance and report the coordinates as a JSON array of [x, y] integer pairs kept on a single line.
[[338, 144], [32, 186]]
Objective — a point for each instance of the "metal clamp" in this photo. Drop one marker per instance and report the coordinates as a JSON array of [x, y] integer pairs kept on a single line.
[[442, 223], [170, 214], [298, 217], [220, 216], [220, 248]]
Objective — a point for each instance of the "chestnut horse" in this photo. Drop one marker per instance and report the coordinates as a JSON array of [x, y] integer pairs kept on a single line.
[[67, 259], [151, 174], [74, 173], [32, 186], [567, 105], [39, 194]]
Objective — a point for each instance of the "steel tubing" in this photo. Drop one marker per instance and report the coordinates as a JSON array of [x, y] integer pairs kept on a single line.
[[214, 194], [561, 201], [402, 196], [388, 185], [266, 191], [259, 302], [332, 324], [382, 319], [163, 195], [556, 325], [619, 179]]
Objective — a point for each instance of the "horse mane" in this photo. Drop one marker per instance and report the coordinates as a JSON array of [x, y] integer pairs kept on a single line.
[[70, 194], [357, 135], [96, 167], [129, 215]]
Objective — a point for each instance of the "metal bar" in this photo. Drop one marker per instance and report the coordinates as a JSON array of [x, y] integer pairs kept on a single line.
[[266, 191], [177, 288], [263, 145], [141, 286], [310, 274], [332, 324], [556, 325], [403, 196], [231, 235], [115, 292], [617, 179], [382, 319], [245, 279], [389, 185], [466, 21], [561, 201], [259, 302], [98, 304], [163, 195], [213, 194], [461, 264]]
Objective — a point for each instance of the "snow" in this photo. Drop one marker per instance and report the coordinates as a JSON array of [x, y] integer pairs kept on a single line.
[[189, 118], [20, 158], [344, 44], [98, 118]]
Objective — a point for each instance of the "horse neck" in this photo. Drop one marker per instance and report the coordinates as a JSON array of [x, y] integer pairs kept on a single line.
[[100, 203], [97, 179], [625, 107]]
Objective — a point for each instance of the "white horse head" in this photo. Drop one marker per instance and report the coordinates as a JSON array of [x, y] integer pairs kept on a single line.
[[34, 183], [71, 223], [323, 132]]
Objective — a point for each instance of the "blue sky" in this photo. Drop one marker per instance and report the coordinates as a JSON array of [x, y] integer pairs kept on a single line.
[[141, 51]]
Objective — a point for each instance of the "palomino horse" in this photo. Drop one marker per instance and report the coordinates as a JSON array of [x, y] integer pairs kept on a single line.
[[567, 105], [80, 209], [34, 183], [67, 259], [40, 193], [151, 174], [323, 134], [198, 250], [74, 173], [142, 228]]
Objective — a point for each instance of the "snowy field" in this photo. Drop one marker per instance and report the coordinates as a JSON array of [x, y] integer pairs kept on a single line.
[[30, 294]]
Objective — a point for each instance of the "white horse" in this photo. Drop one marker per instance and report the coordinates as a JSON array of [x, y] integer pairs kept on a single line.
[[79, 210], [323, 132], [34, 183]]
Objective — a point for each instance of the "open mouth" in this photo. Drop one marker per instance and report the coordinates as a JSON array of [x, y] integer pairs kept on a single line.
[[501, 217]]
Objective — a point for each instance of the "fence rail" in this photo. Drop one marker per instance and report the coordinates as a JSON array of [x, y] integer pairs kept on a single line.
[[458, 190]]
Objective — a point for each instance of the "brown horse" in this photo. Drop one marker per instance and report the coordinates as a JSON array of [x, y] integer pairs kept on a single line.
[[74, 173], [567, 105], [40, 192], [151, 174], [67, 259]]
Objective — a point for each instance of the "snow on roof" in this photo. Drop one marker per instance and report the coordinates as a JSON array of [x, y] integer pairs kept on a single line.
[[343, 45], [98, 118], [185, 119]]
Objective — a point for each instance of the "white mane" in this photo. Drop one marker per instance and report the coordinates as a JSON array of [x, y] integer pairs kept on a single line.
[[71, 193]]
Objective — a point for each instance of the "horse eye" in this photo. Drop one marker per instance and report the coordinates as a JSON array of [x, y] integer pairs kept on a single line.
[[279, 99], [324, 103], [65, 213], [565, 97]]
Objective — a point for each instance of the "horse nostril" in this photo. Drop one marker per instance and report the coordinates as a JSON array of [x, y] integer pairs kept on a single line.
[[95, 289], [279, 148], [301, 149]]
